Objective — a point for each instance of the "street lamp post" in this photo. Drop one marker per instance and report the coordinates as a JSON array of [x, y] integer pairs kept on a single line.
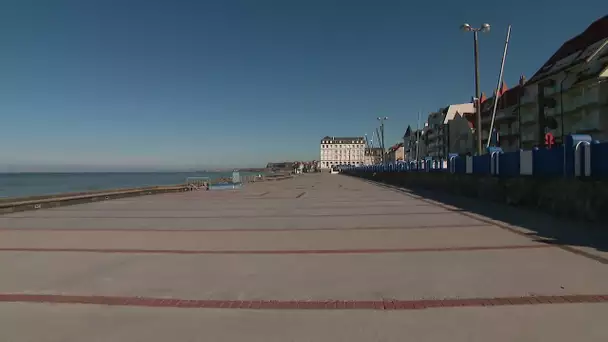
[[381, 119], [483, 28]]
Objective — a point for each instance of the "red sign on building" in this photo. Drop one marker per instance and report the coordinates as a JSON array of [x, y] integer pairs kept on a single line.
[[549, 140]]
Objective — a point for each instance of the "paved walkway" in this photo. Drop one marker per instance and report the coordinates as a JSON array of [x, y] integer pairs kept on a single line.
[[317, 258]]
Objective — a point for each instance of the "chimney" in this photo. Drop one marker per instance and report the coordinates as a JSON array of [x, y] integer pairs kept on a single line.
[[522, 80]]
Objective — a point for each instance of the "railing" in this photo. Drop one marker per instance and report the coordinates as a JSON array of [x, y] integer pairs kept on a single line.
[[252, 178], [203, 182], [579, 157], [197, 182]]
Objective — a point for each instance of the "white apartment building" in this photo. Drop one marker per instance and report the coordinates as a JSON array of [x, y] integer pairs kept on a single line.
[[342, 151]]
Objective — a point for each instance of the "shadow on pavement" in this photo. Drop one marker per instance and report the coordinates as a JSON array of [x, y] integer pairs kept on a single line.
[[542, 226]]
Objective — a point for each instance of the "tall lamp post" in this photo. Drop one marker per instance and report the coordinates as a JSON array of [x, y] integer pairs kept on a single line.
[[381, 119], [483, 28]]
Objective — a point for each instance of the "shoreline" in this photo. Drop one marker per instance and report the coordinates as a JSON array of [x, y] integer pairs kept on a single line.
[[20, 185], [18, 204]]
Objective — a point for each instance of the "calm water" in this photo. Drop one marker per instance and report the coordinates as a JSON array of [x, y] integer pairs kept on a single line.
[[33, 184]]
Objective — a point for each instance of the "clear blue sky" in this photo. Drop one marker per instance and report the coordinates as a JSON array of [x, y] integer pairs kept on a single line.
[[149, 84]]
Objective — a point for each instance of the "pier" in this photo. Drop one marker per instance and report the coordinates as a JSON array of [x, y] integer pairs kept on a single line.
[[317, 257]]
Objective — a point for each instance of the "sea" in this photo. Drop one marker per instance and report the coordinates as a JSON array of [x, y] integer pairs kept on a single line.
[[37, 184]]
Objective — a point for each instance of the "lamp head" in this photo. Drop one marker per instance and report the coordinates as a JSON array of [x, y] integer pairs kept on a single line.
[[466, 27]]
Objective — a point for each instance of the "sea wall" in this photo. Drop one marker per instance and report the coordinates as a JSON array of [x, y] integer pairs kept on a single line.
[[574, 198], [53, 201]]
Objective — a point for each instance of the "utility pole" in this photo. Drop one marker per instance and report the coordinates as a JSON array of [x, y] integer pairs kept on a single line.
[[379, 143], [418, 138], [382, 119]]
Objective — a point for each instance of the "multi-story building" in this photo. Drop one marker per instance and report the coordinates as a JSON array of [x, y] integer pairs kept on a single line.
[[449, 131], [396, 153], [373, 155], [342, 151], [407, 143], [433, 136], [414, 144], [506, 120], [569, 94], [461, 134]]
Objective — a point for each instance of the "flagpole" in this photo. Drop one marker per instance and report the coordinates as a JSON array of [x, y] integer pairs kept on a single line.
[[502, 67]]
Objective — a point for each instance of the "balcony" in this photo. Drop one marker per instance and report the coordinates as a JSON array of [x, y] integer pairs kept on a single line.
[[587, 121], [528, 135], [508, 133], [527, 117], [486, 119], [506, 114], [515, 128], [529, 97], [583, 97], [552, 90]]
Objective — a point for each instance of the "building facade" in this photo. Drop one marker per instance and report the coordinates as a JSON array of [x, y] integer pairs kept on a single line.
[[342, 151], [461, 134], [506, 122], [414, 144], [449, 131], [569, 93], [373, 155], [396, 153], [407, 143]]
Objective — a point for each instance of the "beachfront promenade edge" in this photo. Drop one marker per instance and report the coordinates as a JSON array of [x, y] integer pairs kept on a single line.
[[12, 205]]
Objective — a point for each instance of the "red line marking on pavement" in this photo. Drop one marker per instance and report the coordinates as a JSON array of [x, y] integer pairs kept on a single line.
[[238, 230], [235, 216], [203, 209], [300, 304], [294, 251]]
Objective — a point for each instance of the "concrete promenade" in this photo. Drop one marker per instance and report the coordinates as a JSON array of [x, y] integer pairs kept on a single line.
[[316, 258]]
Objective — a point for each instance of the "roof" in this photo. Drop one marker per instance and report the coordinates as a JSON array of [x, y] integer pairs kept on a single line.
[[395, 147], [343, 140], [588, 74], [471, 118], [596, 32], [408, 131], [509, 98], [462, 109]]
